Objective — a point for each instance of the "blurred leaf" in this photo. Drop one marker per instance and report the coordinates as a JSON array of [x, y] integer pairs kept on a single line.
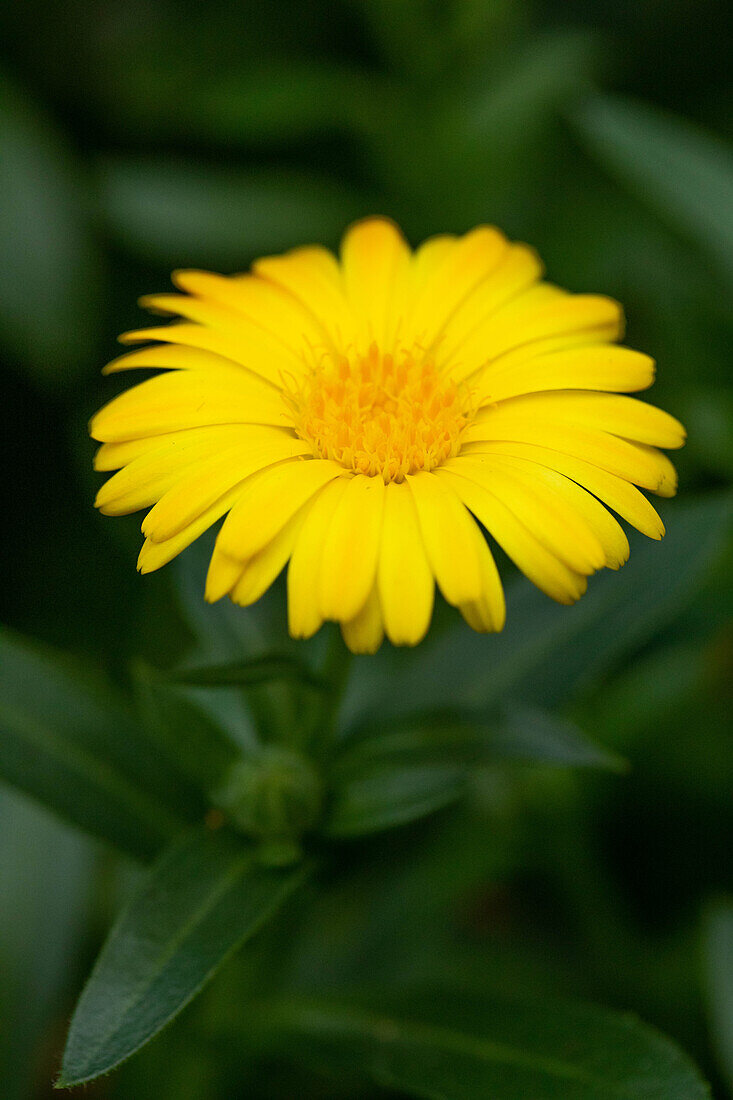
[[393, 28], [283, 102], [192, 741], [186, 213], [707, 413], [389, 793], [49, 271], [528, 733], [68, 741], [653, 689], [223, 633], [548, 653], [718, 976], [516, 732], [463, 1047], [258, 670], [499, 123], [45, 876], [503, 127], [222, 630], [514, 108], [204, 897], [268, 102], [685, 173], [392, 773]]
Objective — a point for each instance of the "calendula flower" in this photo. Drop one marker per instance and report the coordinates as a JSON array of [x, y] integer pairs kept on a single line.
[[365, 421]]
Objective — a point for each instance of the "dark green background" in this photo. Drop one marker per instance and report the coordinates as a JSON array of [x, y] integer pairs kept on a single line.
[[136, 137]]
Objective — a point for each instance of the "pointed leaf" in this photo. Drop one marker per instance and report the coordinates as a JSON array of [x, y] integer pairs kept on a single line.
[[199, 902], [193, 743], [517, 732], [69, 741], [390, 793], [536, 736], [458, 1047], [388, 774]]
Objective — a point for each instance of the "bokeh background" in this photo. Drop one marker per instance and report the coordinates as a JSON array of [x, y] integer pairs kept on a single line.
[[137, 136]]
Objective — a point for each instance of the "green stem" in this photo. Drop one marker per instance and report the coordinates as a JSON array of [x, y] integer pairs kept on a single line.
[[336, 668]]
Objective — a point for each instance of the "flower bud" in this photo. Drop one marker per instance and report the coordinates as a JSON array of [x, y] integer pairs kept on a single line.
[[274, 797]]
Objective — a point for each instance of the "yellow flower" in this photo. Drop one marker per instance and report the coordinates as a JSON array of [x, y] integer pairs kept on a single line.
[[363, 419]]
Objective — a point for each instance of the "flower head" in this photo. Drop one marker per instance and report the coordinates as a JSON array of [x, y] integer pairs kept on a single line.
[[361, 421]]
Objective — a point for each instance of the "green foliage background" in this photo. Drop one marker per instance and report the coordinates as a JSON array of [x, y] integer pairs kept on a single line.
[[139, 137]]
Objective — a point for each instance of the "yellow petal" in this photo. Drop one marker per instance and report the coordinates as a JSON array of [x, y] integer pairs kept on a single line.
[[157, 463], [614, 491], [445, 271], [623, 416], [602, 524], [376, 261], [208, 480], [223, 573], [427, 262], [592, 367], [264, 568], [304, 615], [267, 501], [155, 554], [112, 456], [543, 568], [312, 275], [631, 461], [167, 356], [518, 268], [189, 399], [364, 633], [260, 301], [525, 320], [447, 531], [351, 549], [556, 525], [248, 347], [488, 612], [405, 582]]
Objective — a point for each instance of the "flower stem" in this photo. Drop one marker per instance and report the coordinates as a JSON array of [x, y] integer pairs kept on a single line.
[[336, 668]]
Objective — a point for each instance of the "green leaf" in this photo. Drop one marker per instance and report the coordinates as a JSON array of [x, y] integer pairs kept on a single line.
[[199, 902], [49, 284], [548, 653], [69, 741], [183, 213], [534, 735], [257, 670], [394, 773], [517, 732], [45, 886], [280, 102], [683, 172], [389, 793], [191, 740], [224, 633], [718, 977], [464, 1047], [707, 413]]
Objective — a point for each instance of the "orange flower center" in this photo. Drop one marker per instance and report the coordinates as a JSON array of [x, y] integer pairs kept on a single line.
[[380, 414]]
